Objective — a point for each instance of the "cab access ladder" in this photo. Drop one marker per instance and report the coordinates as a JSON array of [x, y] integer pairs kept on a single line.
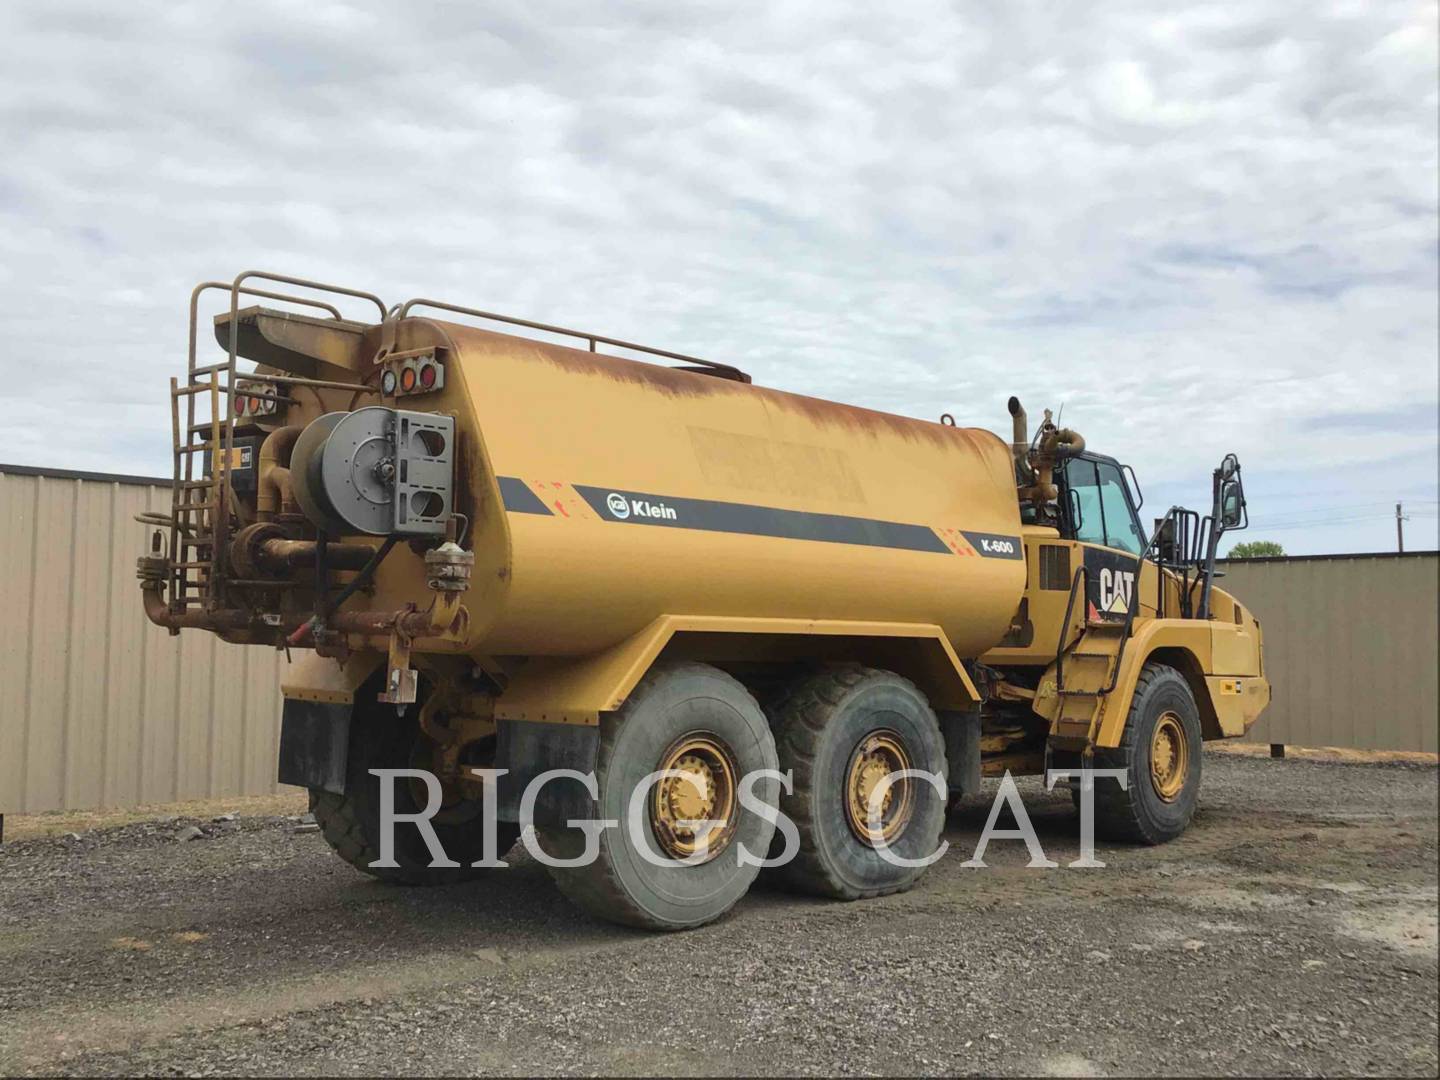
[[1087, 667]]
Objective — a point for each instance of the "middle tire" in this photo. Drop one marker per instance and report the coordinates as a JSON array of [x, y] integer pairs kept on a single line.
[[698, 721], [840, 730]]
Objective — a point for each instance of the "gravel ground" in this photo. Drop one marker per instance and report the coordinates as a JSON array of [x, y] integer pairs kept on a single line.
[[1291, 931]]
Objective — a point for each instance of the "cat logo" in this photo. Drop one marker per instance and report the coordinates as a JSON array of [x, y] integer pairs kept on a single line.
[[1117, 587]]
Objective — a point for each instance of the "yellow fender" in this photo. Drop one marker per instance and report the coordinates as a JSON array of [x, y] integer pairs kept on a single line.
[[1228, 705], [576, 690]]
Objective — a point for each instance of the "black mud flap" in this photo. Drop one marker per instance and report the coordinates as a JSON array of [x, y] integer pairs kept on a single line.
[[528, 749], [314, 744], [962, 751]]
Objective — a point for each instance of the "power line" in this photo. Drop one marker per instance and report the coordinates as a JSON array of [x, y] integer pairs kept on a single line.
[[1327, 523], [1287, 516]]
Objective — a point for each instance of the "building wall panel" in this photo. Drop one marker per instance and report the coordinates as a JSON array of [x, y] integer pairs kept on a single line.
[[1350, 648], [104, 709]]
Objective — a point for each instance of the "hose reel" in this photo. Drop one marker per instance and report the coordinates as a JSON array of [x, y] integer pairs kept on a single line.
[[376, 470]]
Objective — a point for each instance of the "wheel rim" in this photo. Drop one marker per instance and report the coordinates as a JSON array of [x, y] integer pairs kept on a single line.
[[875, 757], [704, 790], [1169, 757]]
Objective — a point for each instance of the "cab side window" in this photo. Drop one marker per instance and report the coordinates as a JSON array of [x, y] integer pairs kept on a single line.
[[1082, 508], [1098, 508]]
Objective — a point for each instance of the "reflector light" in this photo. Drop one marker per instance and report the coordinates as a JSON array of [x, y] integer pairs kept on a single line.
[[387, 382], [240, 406], [427, 375], [407, 379]]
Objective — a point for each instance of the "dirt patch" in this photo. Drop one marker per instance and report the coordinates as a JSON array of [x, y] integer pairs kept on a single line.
[[1330, 753], [1405, 922], [62, 822]]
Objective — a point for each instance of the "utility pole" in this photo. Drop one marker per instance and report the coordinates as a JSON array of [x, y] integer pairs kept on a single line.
[[1399, 529]]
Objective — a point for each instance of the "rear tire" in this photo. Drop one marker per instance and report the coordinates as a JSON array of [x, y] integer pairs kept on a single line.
[[1161, 753], [675, 706], [350, 823], [825, 730]]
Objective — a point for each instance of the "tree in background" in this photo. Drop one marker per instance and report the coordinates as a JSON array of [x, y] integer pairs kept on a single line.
[[1255, 549]]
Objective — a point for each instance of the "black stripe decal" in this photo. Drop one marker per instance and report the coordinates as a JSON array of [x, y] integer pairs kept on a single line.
[[519, 499], [639, 508]]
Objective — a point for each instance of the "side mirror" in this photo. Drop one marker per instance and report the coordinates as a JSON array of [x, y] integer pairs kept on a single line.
[[1232, 504]]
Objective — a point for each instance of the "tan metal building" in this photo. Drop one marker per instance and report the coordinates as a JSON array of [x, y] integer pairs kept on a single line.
[[1350, 648], [104, 709]]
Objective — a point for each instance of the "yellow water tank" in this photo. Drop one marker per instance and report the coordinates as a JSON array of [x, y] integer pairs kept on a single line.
[[604, 492]]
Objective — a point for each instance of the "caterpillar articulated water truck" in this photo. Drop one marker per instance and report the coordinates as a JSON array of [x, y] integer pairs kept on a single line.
[[491, 556]]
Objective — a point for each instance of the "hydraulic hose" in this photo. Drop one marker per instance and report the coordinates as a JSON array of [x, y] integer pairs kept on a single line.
[[358, 582]]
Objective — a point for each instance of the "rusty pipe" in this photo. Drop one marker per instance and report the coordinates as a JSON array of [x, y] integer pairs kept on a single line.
[[274, 475], [1066, 443], [159, 613], [444, 617], [282, 556], [447, 573]]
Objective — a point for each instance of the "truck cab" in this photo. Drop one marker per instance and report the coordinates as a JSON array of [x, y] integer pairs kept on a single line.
[[1109, 614]]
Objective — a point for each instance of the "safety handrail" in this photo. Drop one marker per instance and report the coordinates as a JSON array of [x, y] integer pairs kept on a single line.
[[1061, 647], [1132, 606], [287, 297], [304, 283], [593, 339], [204, 285]]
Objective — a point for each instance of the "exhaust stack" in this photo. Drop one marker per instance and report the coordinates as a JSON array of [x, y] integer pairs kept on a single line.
[[1020, 440]]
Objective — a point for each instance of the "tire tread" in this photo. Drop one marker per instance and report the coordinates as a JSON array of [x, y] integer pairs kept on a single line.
[[596, 888], [1117, 815], [799, 723]]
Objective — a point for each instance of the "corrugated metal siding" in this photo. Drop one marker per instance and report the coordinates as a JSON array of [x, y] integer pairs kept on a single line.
[[1350, 648], [101, 708]]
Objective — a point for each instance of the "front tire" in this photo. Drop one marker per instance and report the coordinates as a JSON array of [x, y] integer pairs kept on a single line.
[[840, 730], [1161, 753], [699, 721]]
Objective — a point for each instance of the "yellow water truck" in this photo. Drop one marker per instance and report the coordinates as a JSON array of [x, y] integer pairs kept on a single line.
[[486, 549]]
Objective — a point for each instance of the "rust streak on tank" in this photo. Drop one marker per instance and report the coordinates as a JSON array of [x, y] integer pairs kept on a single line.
[[677, 383]]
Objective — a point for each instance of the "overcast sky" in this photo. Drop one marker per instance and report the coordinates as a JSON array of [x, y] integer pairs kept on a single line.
[[1200, 227]]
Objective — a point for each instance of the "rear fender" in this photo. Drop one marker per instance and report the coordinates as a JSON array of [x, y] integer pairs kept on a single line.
[[576, 690]]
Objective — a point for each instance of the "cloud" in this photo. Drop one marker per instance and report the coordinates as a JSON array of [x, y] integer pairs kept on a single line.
[[1420, 416], [1202, 229]]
